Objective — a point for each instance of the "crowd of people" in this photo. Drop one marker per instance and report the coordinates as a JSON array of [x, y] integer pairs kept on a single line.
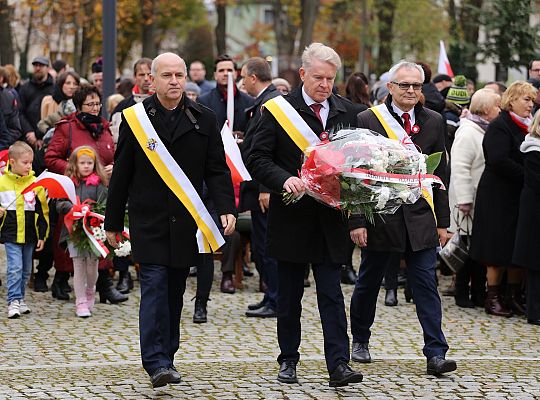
[[489, 139]]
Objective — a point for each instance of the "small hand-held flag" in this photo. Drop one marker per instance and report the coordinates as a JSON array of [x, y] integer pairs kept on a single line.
[[444, 63], [58, 186], [239, 172], [4, 158], [230, 100]]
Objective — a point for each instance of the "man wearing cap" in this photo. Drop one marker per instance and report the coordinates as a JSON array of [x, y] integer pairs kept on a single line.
[[31, 93], [457, 99], [442, 82]]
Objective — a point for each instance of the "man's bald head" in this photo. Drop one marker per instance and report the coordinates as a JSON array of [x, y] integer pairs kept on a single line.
[[168, 74], [166, 58]]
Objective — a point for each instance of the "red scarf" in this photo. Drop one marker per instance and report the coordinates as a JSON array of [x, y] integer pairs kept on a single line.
[[524, 128]]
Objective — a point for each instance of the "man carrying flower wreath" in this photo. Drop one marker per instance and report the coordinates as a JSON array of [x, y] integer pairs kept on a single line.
[[414, 232], [306, 231]]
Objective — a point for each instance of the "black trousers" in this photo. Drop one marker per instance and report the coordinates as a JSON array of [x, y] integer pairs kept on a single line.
[[422, 280], [162, 291], [331, 310], [533, 294], [267, 266], [205, 276]]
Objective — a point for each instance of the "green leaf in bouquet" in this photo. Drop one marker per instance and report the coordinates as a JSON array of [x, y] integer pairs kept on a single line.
[[345, 185], [433, 161]]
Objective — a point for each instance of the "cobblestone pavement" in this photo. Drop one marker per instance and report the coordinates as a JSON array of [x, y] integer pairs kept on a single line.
[[51, 354]]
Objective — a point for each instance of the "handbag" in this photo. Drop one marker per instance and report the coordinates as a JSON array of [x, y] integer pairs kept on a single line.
[[456, 251]]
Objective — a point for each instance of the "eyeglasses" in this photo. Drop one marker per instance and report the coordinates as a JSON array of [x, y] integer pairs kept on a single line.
[[535, 70], [407, 85], [92, 105]]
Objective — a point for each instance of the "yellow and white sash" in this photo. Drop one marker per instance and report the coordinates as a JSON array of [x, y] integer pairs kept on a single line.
[[208, 235], [396, 132], [292, 123]]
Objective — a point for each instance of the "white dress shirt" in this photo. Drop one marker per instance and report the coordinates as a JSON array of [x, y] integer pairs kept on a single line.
[[400, 112], [325, 109]]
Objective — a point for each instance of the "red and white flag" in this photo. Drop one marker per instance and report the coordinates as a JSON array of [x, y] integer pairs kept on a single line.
[[58, 186], [4, 158], [239, 172], [444, 63]]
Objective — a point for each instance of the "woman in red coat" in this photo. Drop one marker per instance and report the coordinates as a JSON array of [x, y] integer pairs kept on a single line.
[[84, 127]]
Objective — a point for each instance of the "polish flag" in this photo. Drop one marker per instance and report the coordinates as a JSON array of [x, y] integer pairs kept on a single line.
[[444, 63], [4, 158], [239, 172], [58, 186]]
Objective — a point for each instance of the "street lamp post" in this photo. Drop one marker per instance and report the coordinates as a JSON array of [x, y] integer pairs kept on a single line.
[[109, 50]]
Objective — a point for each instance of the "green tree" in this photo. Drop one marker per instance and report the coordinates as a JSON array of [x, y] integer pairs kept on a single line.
[[465, 22], [510, 38]]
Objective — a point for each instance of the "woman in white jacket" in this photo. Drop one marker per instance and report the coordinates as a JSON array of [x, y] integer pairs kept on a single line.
[[467, 165]]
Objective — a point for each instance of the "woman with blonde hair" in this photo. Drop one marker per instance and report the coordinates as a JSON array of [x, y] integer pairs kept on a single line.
[[525, 250], [497, 199], [467, 165]]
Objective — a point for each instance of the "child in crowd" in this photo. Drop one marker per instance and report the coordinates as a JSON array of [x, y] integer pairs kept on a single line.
[[89, 178], [24, 223]]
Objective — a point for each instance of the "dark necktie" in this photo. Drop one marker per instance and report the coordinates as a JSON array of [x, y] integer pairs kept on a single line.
[[407, 122], [316, 107]]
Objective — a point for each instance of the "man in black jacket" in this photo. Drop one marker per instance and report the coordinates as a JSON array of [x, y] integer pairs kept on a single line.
[[163, 232], [257, 78], [216, 99], [306, 231], [31, 93], [413, 232]]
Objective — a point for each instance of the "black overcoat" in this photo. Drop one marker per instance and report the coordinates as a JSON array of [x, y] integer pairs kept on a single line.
[[525, 249], [249, 190], [162, 231], [414, 221], [306, 231], [497, 198]]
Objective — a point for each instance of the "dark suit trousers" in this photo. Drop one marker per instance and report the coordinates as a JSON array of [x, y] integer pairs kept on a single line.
[[162, 290], [331, 310], [267, 265], [422, 280], [533, 294]]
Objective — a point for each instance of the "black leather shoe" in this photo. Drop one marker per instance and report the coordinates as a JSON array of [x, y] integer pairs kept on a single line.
[[256, 306], [161, 377], [463, 302], [246, 270], [391, 298], [125, 282], [408, 294], [360, 353], [200, 315], [533, 321], [57, 292], [263, 312], [287, 372], [40, 284], [107, 291], [343, 375], [175, 376], [438, 365], [348, 275]]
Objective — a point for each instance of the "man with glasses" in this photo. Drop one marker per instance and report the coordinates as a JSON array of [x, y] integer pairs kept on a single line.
[[534, 69], [413, 232]]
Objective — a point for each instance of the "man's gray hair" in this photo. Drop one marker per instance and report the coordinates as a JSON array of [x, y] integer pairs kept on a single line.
[[407, 65], [319, 51], [153, 68]]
